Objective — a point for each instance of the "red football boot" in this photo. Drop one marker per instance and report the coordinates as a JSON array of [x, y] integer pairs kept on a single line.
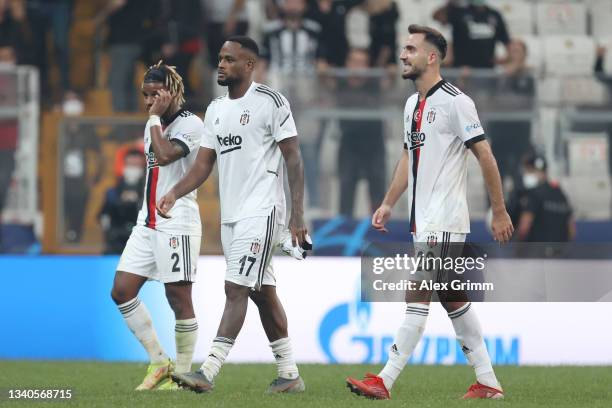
[[371, 386], [481, 391]]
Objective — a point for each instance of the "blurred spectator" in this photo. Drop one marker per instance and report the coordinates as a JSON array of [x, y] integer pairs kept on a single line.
[[383, 34], [178, 36], [331, 16], [476, 28], [544, 213], [122, 202], [225, 18], [129, 23], [8, 55], [511, 140], [291, 44], [80, 147], [362, 146], [54, 17], [16, 30]]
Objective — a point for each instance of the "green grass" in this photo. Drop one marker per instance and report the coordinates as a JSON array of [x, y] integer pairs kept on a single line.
[[110, 385]]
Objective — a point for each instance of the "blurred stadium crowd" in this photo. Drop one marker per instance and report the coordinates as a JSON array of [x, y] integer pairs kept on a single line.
[[537, 71]]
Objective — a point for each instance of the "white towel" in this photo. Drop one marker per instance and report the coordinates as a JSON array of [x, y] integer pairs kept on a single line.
[[298, 251]]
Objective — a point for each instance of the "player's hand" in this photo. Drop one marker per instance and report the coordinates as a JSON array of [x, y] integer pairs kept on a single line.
[[380, 218], [298, 229], [165, 204], [501, 226], [162, 101]]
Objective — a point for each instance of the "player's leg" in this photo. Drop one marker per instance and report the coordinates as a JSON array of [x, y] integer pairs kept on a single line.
[[138, 258], [176, 258], [408, 335], [236, 302], [274, 322], [241, 277], [406, 339], [186, 326], [469, 333]]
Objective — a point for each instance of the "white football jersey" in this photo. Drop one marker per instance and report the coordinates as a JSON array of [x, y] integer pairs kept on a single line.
[[245, 132], [438, 132], [185, 129]]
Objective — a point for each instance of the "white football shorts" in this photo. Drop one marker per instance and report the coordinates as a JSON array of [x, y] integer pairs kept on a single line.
[[160, 256], [438, 245], [248, 245]]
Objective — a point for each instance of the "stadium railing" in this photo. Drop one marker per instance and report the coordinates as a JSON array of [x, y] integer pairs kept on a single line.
[[566, 117]]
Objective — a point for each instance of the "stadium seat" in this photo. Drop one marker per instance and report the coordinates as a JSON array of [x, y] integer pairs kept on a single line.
[[566, 18], [517, 14], [601, 16], [589, 196], [535, 57], [569, 55]]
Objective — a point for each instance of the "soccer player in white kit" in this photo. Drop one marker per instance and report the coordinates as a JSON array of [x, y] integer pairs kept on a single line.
[[165, 250], [441, 124], [248, 131]]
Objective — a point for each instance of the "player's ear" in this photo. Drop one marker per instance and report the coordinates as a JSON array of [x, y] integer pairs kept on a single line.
[[433, 57], [251, 63]]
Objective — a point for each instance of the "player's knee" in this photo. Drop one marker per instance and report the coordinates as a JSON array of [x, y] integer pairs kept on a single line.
[[258, 298], [235, 292], [120, 295], [181, 306]]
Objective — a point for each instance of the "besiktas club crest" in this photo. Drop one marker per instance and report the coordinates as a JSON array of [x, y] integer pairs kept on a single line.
[[255, 246], [174, 242], [432, 240], [431, 116], [244, 118]]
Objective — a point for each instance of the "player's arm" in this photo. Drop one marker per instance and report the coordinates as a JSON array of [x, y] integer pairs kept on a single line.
[[399, 184], [197, 174], [166, 151], [290, 149], [501, 225]]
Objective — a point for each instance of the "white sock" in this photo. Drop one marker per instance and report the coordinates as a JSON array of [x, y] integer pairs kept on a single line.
[[138, 319], [408, 336], [185, 335], [469, 335], [283, 353], [219, 350]]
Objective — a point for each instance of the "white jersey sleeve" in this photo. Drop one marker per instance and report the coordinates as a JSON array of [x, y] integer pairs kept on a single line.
[[283, 125], [188, 134], [464, 120], [208, 137]]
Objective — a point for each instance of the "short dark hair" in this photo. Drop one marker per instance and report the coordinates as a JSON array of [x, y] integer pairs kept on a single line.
[[245, 42], [432, 36]]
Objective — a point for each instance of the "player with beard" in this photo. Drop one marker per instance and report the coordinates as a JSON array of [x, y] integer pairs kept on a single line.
[[248, 131], [441, 124]]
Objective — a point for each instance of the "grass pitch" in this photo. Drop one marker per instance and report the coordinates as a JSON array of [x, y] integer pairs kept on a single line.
[[97, 384]]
